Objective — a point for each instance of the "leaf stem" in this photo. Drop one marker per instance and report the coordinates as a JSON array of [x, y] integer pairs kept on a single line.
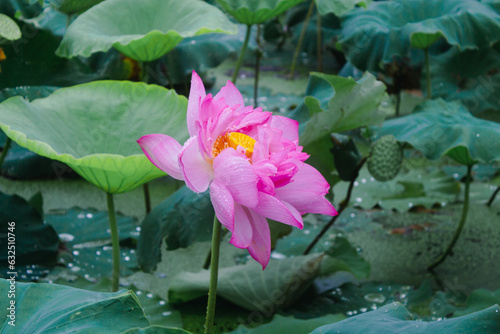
[[258, 55], [343, 205], [147, 197], [398, 103], [428, 74], [214, 272], [493, 196], [301, 39], [6, 147], [461, 224], [115, 241], [242, 55], [319, 43]]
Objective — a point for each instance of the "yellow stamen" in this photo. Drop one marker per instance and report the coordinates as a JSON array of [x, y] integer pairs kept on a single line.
[[233, 139]]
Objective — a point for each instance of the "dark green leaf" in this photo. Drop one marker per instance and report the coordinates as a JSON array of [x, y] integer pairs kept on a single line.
[[388, 29], [439, 128], [479, 300], [183, 218], [250, 287], [346, 156], [34, 241], [57, 309], [471, 76], [342, 256], [281, 324], [336, 104], [396, 318]]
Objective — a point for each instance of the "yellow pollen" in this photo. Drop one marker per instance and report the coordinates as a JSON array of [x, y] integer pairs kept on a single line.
[[233, 139]]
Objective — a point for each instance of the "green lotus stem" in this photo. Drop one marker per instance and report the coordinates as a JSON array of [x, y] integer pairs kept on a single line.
[[343, 205], [493, 196], [214, 272], [145, 187], [301, 39], [428, 74], [115, 241], [398, 102], [320, 49], [144, 73], [147, 197], [242, 55], [258, 55], [461, 224], [6, 147]]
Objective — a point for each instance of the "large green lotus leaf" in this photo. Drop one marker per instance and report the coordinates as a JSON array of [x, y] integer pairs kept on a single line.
[[281, 324], [339, 7], [440, 128], [51, 308], [144, 30], [253, 12], [9, 29], [395, 318], [94, 128], [471, 76], [250, 287], [388, 29], [336, 104]]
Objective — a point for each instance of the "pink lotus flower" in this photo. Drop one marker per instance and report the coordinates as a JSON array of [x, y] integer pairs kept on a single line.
[[251, 162]]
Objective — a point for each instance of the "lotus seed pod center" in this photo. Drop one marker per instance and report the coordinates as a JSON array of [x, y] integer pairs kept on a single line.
[[233, 139]]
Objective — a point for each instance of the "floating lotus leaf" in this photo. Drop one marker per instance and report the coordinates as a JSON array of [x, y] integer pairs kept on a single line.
[[94, 127], [390, 29], [9, 29], [52, 308], [395, 317], [440, 128], [253, 12], [142, 30]]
